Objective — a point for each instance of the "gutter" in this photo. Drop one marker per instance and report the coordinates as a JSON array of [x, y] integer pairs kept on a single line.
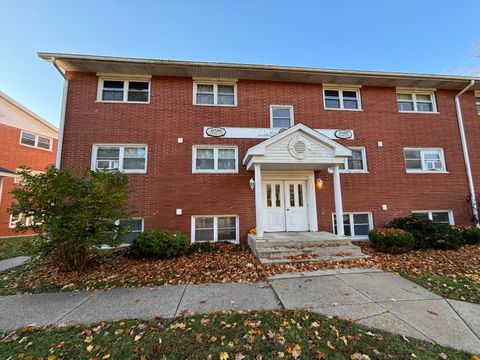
[[58, 158], [466, 157]]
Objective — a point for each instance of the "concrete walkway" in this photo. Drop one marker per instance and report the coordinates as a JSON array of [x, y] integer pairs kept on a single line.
[[371, 297], [13, 262]]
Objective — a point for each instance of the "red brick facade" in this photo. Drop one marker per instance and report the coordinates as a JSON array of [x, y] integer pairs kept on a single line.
[[169, 183], [13, 156]]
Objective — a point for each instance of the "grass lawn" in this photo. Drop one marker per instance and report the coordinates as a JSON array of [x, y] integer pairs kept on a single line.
[[13, 246], [262, 335]]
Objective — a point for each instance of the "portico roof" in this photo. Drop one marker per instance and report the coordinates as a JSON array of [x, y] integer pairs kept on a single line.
[[7, 173], [298, 147]]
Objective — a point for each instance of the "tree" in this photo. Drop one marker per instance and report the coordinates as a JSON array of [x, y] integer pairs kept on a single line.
[[73, 214]]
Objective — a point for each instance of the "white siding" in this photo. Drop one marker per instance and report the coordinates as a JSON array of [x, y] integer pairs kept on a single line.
[[279, 151]]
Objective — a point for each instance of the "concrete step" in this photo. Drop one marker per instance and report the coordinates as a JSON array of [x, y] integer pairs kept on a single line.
[[302, 243], [265, 261], [285, 252]]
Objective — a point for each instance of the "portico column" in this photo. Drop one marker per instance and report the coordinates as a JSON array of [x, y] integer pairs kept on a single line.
[[258, 201], [337, 190]]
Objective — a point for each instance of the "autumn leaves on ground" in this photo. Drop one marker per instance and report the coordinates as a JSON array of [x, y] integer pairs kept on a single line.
[[450, 273], [229, 335]]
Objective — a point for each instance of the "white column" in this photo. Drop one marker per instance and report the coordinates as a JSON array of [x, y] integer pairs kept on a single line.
[[337, 190], [258, 201]]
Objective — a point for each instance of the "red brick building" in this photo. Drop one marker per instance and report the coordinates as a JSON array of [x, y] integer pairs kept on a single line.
[[25, 140], [215, 149]]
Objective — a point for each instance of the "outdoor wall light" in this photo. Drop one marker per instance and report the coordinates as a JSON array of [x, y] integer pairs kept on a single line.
[[318, 183], [251, 182]]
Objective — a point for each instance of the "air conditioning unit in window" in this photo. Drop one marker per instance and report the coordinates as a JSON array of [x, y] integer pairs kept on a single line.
[[434, 165], [107, 164]]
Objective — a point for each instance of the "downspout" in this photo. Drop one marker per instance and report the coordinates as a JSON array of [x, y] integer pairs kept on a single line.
[[466, 158], [58, 159]]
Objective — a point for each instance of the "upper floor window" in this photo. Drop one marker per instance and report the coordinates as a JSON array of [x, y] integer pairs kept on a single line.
[[418, 101], [357, 162], [424, 160], [33, 140], [134, 91], [436, 216], [342, 99], [208, 93], [215, 159], [281, 116], [130, 159], [477, 100]]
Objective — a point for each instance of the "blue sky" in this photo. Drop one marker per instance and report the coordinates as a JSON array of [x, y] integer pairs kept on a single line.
[[430, 36]]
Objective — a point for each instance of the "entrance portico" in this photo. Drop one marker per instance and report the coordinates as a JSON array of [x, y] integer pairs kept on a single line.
[[284, 168]]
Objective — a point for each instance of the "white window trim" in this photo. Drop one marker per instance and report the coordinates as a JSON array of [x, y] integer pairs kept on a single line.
[[215, 84], [290, 107], [215, 156], [126, 82], [477, 100], [215, 228], [13, 225], [341, 89], [17, 180], [120, 160], [451, 219], [423, 171], [352, 229], [355, 171], [414, 94], [36, 140]]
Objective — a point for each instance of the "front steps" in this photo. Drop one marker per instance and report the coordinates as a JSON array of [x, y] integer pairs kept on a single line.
[[291, 247]]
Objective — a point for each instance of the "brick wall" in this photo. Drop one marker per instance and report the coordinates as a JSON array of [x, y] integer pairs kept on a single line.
[[169, 183], [13, 156]]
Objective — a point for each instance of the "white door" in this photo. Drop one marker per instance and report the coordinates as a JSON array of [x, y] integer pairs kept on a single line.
[[285, 206], [296, 211], [274, 206]]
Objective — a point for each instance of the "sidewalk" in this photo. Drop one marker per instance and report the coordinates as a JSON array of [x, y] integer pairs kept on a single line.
[[13, 262], [371, 297]]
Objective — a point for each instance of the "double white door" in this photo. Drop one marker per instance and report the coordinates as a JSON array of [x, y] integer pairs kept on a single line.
[[285, 206]]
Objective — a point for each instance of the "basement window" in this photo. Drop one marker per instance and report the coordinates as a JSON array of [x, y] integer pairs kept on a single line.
[[215, 228], [355, 224], [436, 216], [134, 227], [132, 91]]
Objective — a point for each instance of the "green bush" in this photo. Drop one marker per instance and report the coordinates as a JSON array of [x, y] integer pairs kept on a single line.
[[428, 234], [391, 240], [160, 243], [470, 234]]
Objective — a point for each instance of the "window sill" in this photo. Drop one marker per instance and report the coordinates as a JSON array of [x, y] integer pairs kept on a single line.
[[216, 105], [334, 109], [123, 102], [35, 147], [350, 171], [419, 112], [214, 172], [426, 172]]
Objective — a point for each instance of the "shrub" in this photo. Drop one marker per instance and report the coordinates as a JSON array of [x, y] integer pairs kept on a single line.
[[391, 240], [428, 234], [160, 243], [470, 234], [73, 214]]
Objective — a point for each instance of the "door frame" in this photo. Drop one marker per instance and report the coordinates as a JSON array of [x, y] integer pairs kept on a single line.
[[310, 195]]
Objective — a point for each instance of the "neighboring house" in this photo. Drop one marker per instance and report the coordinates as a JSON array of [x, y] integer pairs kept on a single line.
[[215, 149], [25, 140]]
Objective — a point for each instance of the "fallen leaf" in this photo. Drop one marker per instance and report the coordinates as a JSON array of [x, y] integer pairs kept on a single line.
[[330, 346], [89, 348], [239, 356], [223, 355]]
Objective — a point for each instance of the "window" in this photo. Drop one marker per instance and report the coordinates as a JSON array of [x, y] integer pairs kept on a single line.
[[342, 99], [134, 91], [357, 162], [215, 228], [38, 141], [134, 226], [125, 158], [437, 216], [19, 179], [20, 220], [355, 225], [281, 116], [222, 94], [424, 160], [416, 102], [477, 101], [217, 159]]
